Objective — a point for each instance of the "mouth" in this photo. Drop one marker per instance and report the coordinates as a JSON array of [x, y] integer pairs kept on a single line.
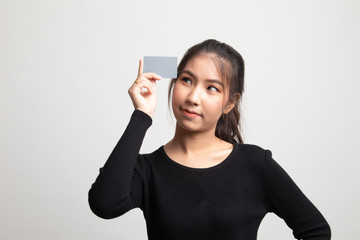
[[190, 113]]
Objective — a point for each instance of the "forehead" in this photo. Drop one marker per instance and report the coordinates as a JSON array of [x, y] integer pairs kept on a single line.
[[204, 66]]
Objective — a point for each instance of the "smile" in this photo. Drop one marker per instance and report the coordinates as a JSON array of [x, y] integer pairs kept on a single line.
[[190, 113]]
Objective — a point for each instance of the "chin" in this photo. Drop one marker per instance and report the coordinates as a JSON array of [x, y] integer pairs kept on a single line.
[[188, 127]]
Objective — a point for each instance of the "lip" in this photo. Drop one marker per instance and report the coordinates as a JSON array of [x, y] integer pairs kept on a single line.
[[190, 113]]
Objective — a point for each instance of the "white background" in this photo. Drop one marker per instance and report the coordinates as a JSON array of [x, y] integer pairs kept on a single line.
[[66, 66]]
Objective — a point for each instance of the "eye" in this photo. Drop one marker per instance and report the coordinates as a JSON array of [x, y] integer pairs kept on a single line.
[[213, 89], [186, 80]]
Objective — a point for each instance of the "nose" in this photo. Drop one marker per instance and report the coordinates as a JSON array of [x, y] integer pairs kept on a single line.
[[194, 96]]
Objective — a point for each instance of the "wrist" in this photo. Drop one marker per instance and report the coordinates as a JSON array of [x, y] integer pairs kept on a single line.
[[149, 113]]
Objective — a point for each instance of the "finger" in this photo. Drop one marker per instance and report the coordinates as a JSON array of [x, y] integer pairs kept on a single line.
[[141, 78], [151, 75], [137, 81], [140, 71], [147, 85]]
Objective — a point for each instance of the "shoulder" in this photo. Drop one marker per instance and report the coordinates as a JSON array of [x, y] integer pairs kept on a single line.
[[253, 151], [150, 156], [260, 158], [252, 155], [145, 160], [251, 147]]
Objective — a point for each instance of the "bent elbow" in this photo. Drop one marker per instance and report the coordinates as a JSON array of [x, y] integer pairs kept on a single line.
[[327, 231], [320, 232], [324, 232], [107, 209], [101, 211]]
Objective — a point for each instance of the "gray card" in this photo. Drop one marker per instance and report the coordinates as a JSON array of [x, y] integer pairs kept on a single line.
[[166, 67]]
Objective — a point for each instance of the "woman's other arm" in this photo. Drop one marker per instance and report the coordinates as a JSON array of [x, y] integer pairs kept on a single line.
[[287, 201]]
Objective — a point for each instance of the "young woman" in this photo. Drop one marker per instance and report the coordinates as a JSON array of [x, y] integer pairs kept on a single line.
[[205, 183]]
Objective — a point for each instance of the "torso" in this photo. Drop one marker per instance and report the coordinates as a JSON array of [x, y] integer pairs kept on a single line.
[[225, 201]]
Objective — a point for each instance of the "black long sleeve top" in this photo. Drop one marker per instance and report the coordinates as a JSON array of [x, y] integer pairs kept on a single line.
[[226, 201]]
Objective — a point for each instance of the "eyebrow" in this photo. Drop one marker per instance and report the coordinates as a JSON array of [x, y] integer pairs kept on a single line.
[[215, 81]]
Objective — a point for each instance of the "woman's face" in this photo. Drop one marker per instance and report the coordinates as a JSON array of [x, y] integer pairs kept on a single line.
[[199, 96]]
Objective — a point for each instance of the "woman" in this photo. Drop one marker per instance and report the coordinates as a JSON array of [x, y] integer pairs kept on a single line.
[[205, 183]]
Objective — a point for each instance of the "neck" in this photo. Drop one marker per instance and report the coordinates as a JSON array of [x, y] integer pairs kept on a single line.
[[194, 142]]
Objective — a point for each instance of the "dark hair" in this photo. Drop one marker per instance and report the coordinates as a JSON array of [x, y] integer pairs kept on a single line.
[[231, 67]]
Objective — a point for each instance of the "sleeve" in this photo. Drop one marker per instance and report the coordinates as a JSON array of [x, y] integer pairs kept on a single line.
[[118, 187], [287, 201]]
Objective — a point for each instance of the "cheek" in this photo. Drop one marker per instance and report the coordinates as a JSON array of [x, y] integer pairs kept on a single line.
[[176, 95], [215, 104]]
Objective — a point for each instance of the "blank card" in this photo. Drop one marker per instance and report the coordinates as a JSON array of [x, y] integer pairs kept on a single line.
[[166, 67]]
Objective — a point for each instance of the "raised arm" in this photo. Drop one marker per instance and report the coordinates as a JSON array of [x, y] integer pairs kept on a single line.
[[118, 187]]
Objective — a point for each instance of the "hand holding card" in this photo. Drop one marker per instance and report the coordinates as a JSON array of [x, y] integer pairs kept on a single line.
[[144, 100]]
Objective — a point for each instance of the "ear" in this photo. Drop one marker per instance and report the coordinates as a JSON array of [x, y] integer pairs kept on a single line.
[[231, 104]]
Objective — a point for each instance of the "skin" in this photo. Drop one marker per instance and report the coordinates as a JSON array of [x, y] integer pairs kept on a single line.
[[144, 101], [199, 99]]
